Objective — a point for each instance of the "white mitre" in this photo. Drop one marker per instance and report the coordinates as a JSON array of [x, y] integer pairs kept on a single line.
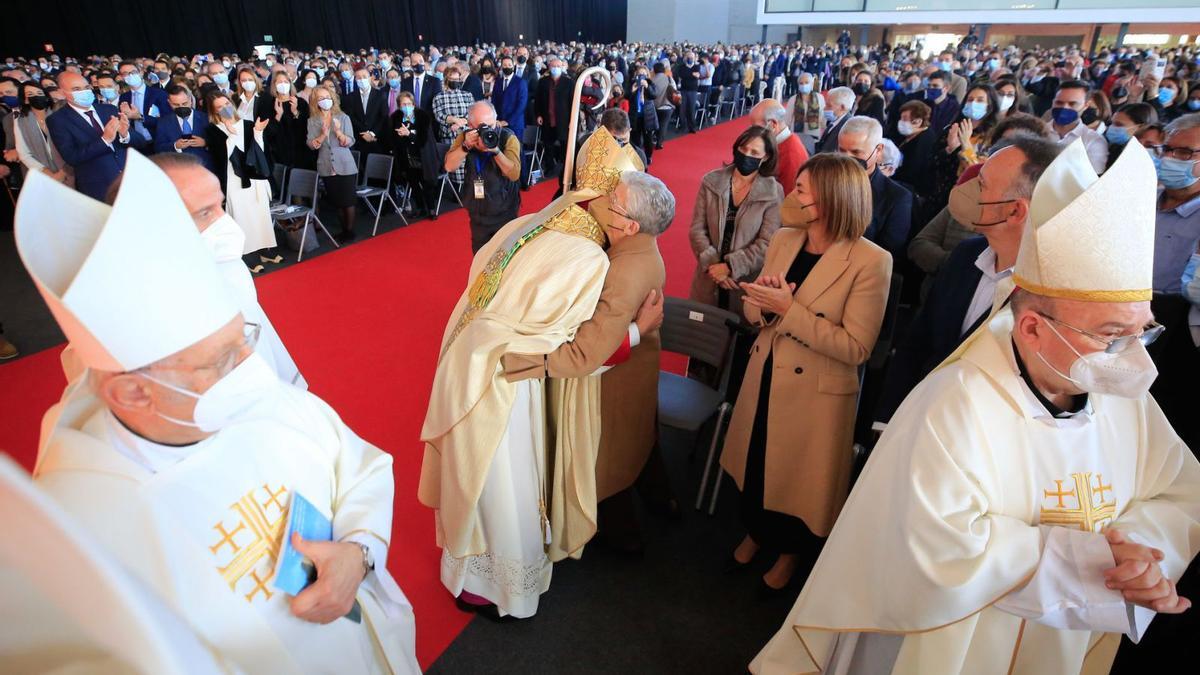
[[128, 284], [1091, 237]]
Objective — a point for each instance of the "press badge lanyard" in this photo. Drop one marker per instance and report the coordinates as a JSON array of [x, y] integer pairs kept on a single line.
[[478, 177]]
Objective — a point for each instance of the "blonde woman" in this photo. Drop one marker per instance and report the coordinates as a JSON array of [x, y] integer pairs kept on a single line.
[[819, 303], [330, 134], [248, 195]]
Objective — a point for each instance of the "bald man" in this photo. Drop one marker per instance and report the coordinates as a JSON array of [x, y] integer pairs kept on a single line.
[[92, 137], [771, 114]]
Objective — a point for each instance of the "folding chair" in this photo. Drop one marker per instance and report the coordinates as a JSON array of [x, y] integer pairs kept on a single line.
[[709, 108], [729, 98], [532, 151], [357, 159], [302, 184], [704, 333], [379, 168], [445, 179]]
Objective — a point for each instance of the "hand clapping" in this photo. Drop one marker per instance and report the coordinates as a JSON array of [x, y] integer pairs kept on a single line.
[[770, 293]]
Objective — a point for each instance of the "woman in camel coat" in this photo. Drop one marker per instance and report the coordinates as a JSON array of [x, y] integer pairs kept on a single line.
[[819, 304]]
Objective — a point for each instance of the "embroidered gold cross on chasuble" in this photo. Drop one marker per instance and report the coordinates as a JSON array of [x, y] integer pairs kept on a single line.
[[248, 539], [1082, 506]]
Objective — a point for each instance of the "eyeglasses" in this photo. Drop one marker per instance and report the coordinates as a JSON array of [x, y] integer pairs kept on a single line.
[[1180, 153], [229, 359], [1149, 333]]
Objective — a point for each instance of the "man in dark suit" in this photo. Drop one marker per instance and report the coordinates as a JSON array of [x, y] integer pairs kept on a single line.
[[92, 137], [891, 203], [422, 85], [525, 71], [510, 98], [182, 127], [553, 103], [346, 85], [974, 278], [143, 105], [367, 108], [839, 109]]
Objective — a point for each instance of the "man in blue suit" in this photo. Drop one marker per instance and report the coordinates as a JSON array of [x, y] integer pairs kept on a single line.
[[144, 106], [996, 204], [891, 203], [92, 137], [510, 97], [182, 127]]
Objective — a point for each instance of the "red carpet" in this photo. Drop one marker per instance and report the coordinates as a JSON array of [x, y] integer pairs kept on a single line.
[[364, 324]]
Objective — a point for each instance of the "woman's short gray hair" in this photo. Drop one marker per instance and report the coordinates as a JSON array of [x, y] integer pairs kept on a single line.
[[649, 202], [891, 154]]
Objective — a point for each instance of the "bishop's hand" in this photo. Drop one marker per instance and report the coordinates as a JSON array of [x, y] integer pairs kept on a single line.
[[1139, 578], [339, 572]]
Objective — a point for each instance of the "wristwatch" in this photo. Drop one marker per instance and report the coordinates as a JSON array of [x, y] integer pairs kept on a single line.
[[368, 558]]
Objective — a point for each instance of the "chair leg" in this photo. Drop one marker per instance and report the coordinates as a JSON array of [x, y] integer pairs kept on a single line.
[[399, 211], [708, 463], [378, 212], [454, 191], [326, 231], [721, 415], [437, 209], [303, 236]]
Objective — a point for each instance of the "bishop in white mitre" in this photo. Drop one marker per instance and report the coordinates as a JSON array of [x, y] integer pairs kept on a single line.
[[503, 516], [1029, 502], [225, 239], [180, 449]]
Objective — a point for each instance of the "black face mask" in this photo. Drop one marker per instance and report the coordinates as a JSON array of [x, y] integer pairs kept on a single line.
[[183, 111], [861, 89], [1088, 116], [454, 84], [39, 102], [521, 60], [744, 163], [506, 71], [1119, 92], [419, 68]]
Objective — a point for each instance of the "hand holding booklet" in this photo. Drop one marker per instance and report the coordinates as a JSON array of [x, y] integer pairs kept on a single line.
[[294, 572]]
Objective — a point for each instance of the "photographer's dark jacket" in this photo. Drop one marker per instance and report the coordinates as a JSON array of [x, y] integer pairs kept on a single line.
[[502, 195]]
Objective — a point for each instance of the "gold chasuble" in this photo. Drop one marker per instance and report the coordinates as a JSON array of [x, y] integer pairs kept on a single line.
[[531, 287]]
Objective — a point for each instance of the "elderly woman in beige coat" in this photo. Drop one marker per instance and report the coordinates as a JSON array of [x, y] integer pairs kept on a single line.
[[819, 303], [736, 214]]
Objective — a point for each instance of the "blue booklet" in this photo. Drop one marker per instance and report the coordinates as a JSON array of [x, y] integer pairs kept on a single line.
[[294, 572]]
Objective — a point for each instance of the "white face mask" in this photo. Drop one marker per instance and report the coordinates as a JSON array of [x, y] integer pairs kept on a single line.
[[310, 83], [283, 88], [904, 127], [1128, 373], [231, 399], [249, 86], [325, 103], [224, 238], [1006, 102]]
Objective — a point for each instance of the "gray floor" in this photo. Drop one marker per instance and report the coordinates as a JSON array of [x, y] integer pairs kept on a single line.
[[674, 611]]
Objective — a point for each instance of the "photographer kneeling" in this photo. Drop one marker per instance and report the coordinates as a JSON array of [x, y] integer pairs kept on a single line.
[[491, 188]]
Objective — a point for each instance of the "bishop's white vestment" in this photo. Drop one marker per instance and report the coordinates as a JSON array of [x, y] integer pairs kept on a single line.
[[971, 543], [203, 524]]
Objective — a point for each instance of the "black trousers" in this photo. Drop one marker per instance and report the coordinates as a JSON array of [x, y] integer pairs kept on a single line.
[[616, 516], [691, 108]]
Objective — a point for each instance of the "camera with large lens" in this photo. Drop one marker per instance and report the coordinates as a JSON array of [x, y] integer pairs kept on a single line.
[[489, 136]]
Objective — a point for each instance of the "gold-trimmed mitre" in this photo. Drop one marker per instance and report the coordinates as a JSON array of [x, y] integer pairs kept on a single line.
[[1091, 237], [602, 160]]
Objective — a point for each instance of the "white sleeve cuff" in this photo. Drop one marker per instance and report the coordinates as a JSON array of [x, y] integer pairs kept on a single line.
[[635, 336], [1067, 590]]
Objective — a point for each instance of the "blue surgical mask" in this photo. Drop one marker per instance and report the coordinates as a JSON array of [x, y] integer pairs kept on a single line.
[[993, 64], [1176, 174], [933, 93], [555, 71], [394, 82], [1194, 104], [10, 101], [221, 78], [975, 110], [109, 93], [320, 72], [1117, 135], [364, 83], [1165, 96], [912, 87], [133, 80], [439, 75], [1064, 116], [83, 99], [347, 75], [946, 66], [407, 110], [806, 88], [385, 65]]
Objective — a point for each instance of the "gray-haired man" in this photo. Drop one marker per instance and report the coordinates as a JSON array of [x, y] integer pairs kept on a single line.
[[622, 335]]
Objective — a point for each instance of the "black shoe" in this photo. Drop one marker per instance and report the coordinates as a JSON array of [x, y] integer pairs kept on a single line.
[[666, 508], [768, 592], [346, 236]]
